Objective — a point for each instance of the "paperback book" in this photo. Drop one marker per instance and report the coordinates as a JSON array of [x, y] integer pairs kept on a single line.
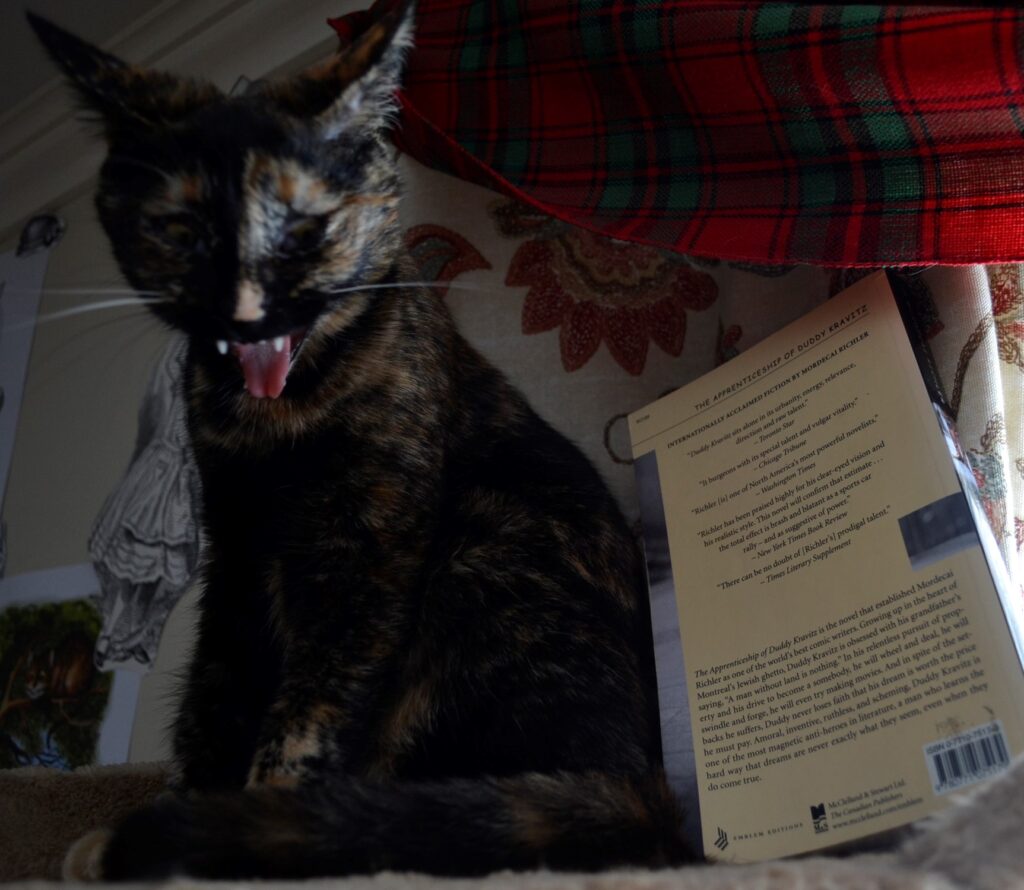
[[838, 645]]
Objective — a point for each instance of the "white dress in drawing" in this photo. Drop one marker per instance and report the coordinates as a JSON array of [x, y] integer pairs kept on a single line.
[[145, 543]]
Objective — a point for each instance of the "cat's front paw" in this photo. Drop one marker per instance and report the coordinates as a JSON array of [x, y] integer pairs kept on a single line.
[[271, 768], [271, 777], [285, 763], [84, 859]]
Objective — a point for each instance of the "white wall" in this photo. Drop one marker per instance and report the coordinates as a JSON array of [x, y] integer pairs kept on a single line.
[[85, 379]]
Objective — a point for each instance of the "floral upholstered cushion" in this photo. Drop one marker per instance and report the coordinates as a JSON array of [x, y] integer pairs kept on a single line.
[[592, 328]]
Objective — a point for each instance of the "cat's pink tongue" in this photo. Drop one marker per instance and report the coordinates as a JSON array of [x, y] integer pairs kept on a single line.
[[265, 365]]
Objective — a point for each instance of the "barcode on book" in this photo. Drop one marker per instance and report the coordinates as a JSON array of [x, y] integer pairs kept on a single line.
[[967, 757]]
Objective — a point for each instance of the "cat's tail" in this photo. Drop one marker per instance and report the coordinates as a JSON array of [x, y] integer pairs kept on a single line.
[[573, 821]]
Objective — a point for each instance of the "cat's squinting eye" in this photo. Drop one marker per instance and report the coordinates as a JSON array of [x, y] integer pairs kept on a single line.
[[302, 234], [179, 233]]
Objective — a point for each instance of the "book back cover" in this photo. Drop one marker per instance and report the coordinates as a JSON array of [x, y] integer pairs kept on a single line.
[[826, 623]]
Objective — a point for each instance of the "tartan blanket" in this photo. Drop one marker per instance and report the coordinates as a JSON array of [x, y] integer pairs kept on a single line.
[[842, 135]]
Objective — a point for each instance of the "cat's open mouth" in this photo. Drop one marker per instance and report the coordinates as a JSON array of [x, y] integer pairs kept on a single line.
[[266, 363]]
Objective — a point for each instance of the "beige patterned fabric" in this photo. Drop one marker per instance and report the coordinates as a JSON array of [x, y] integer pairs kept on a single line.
[[592, 329]]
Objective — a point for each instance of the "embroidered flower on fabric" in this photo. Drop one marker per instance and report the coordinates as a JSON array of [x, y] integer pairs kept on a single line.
[[726, 347], [988, 474], [1008, 312], [1007, 318], [598, 290], [441, 254]]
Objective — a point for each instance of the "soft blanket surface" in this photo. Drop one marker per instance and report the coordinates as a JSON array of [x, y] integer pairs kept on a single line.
[[974, 844]]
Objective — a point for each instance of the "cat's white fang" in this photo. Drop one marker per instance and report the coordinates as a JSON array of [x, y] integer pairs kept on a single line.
[[222, 347], [279, 344]]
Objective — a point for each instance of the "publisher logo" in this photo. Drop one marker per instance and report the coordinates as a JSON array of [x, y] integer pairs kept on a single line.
[[819, 818], [722, 841]]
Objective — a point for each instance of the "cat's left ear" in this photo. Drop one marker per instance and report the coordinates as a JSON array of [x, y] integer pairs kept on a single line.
[[126, 96], [356, 88]]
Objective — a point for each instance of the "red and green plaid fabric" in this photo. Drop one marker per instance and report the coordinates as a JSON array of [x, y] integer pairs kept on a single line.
[[767, 132]]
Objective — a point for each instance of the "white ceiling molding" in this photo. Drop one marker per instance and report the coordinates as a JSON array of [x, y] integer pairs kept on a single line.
[[48, 155]]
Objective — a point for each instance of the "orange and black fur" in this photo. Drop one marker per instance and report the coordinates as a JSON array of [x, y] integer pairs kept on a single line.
[[424, 641]]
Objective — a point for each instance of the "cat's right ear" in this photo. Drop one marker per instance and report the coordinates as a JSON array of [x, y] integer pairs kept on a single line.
[[126, 97], [356, 88]]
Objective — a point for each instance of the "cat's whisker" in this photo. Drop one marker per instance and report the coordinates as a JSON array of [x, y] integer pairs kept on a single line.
[[142, 165], [442, 285], [138, 302], [78, 349], [80, 290]]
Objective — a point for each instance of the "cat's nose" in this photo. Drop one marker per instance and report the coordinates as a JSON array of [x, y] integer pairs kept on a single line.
[[249, 303]]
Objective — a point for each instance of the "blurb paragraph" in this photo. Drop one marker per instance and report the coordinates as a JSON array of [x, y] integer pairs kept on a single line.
[[910, 653]]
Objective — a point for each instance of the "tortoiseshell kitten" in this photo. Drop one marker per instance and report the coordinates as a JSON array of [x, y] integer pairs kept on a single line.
[[424, 640]]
